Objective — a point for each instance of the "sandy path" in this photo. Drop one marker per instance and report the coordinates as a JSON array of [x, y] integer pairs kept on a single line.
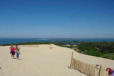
[[37, 61]]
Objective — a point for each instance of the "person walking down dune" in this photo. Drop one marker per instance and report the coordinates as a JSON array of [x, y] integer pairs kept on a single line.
[[12, 51], [17, 51]]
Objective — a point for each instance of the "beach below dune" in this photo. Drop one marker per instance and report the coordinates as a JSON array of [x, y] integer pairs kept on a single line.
[[44, 60]]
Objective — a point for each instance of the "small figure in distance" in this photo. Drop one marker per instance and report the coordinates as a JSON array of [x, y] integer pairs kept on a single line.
[[12, 51], [17, 51]]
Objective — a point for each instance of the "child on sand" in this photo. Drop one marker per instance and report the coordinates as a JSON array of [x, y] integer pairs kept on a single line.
[[17, 51], [110, 72], [12, 51]]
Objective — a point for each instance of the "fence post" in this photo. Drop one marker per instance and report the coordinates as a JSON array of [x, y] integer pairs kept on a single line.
[[71, 61]]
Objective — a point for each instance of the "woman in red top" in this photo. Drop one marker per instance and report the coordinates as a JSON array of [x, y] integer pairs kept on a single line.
[[12, 51]]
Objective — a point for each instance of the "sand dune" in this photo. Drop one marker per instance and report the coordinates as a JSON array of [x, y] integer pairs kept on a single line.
[[44, 60]]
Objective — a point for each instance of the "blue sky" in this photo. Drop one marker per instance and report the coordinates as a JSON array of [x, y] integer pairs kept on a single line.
[[56, 18]]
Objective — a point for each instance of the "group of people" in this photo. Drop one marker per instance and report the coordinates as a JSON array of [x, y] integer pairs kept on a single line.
[[14, 50]]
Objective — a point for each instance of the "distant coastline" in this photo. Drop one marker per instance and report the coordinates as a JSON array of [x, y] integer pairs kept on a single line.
[[23, 40]]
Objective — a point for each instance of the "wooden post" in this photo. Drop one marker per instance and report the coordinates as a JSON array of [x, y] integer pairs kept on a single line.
[[100, 71], [71, 61]]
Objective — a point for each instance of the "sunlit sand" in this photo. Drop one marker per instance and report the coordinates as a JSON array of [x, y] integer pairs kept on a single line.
[[44, 60]]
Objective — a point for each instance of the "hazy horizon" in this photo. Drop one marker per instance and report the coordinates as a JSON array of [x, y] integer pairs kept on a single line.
[[50, 38]]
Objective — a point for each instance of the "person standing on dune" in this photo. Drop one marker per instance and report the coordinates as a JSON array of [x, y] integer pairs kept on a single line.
[[12, 51], [17, 51]]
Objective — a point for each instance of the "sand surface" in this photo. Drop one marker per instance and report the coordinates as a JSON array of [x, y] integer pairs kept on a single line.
[[44, 60]]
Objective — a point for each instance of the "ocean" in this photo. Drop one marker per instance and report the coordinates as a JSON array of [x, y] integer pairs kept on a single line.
[[22, 40]]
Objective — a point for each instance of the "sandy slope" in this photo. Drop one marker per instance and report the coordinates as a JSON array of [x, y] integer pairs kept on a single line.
[[44, 60]]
